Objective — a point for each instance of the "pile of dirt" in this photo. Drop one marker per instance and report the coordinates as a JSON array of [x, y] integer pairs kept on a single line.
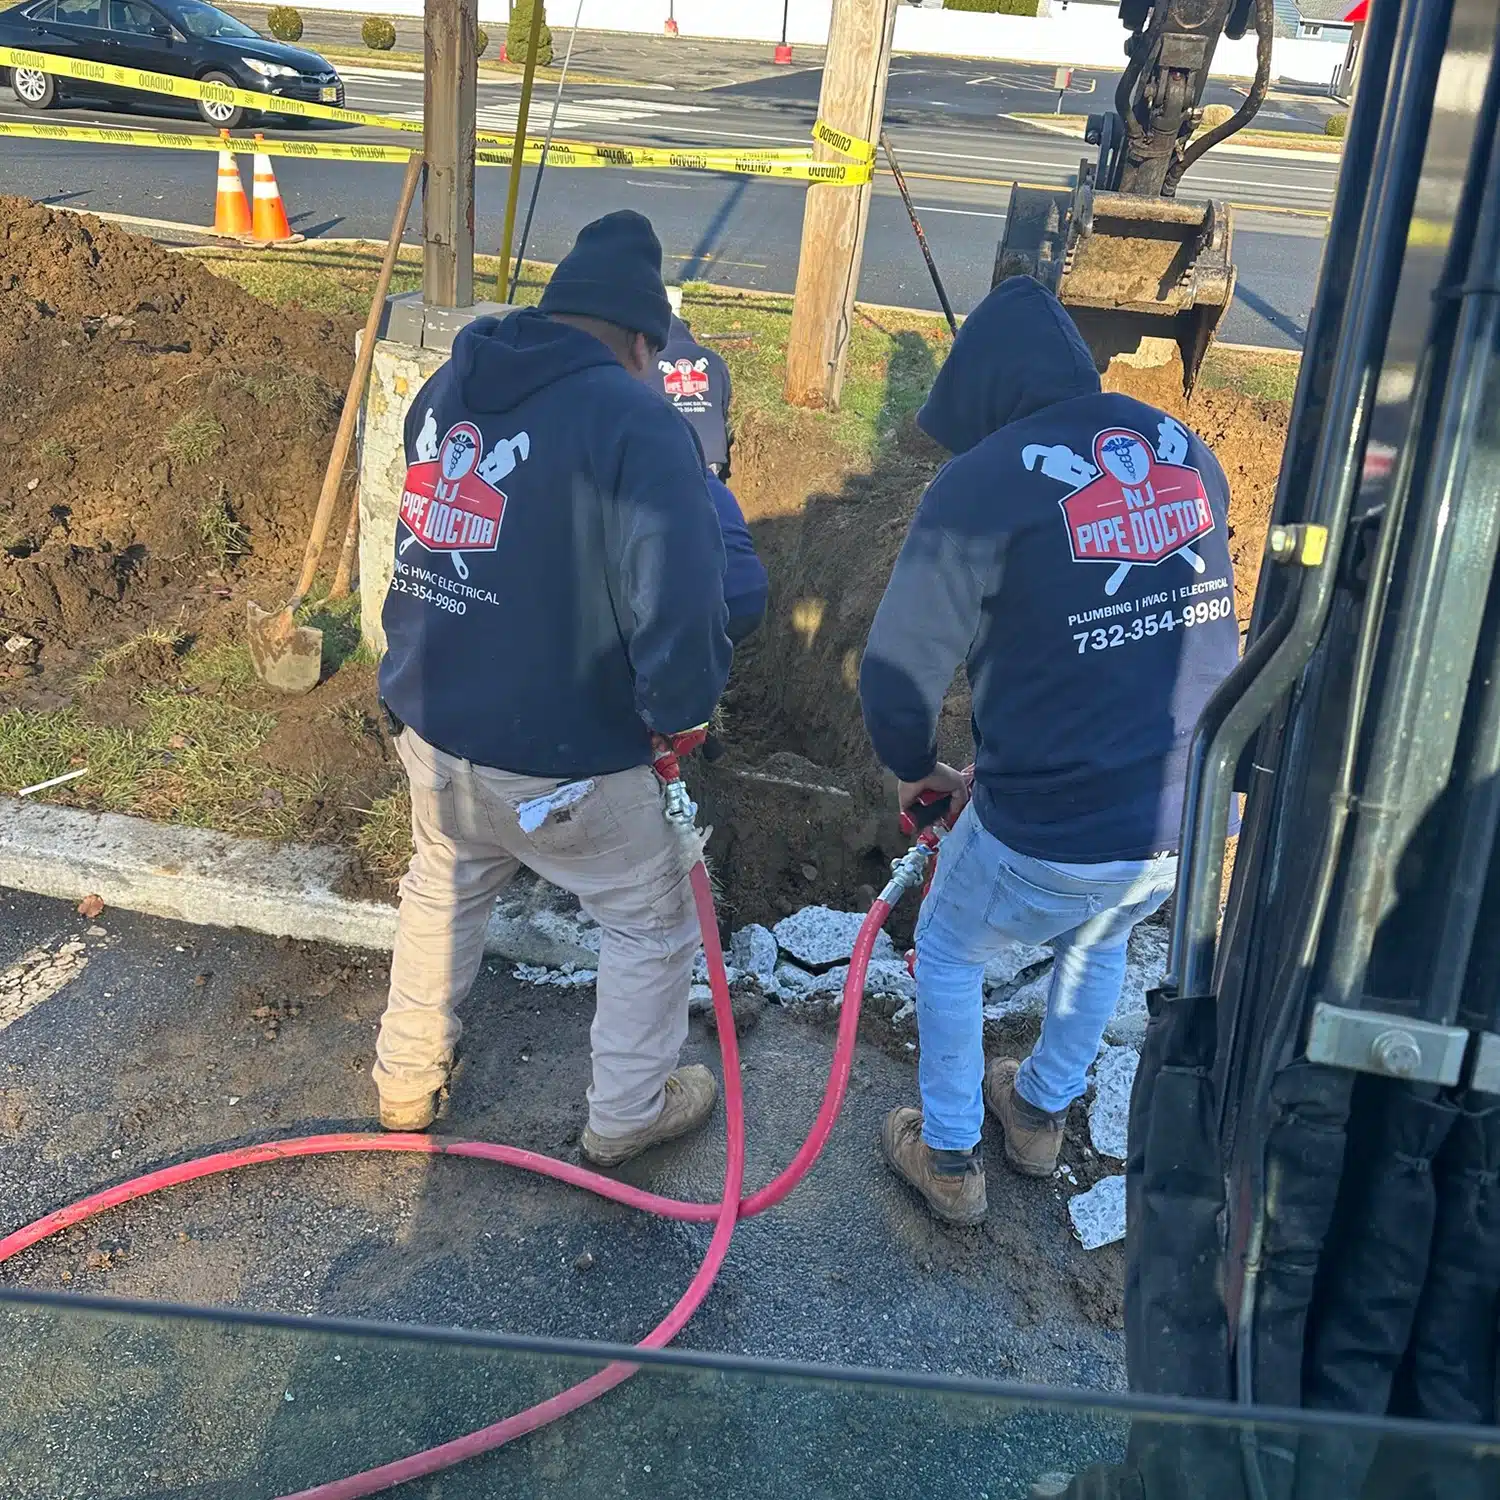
[[829, 542], [164, 433]]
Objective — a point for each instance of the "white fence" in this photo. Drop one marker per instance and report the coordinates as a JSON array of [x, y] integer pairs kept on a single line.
[[1083, 36]]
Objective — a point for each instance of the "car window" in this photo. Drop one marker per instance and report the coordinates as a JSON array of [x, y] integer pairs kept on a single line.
[[80, 13], [132, 16], [46, 11], [200, 20]]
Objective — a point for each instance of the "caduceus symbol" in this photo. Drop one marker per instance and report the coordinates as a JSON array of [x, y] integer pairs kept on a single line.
[[459, 453]]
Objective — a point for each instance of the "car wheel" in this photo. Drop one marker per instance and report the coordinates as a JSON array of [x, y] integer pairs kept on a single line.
[[220, 116], [36, 90]]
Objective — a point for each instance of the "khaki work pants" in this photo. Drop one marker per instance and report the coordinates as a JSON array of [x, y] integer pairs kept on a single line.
[[614, 850]]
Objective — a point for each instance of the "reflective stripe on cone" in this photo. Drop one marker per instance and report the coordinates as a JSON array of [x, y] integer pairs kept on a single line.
[[269, 221], [231, 208]]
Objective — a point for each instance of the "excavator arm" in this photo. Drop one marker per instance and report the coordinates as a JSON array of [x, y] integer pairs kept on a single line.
[[1140, 269]]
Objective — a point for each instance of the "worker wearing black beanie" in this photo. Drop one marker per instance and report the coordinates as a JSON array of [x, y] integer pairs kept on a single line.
[[613, 272], [557, 598]]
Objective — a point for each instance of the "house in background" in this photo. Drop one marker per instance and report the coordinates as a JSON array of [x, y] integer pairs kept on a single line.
[[1354, 18], [1323, 20]]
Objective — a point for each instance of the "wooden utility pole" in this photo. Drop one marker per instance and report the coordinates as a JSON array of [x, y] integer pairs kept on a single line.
[[833, 222], [451, 69]]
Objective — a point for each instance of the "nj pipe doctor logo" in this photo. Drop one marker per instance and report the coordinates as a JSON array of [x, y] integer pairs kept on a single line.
[[452, 501], [684, 377], [1132, 507]]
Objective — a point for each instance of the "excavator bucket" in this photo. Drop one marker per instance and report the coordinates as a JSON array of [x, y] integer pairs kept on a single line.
[[1128, 268]]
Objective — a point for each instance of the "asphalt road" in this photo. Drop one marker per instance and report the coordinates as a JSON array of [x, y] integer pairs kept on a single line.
[[960, 152], [156, 1049]]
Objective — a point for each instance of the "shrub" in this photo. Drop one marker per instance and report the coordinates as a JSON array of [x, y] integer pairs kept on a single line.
[[481, 41], [378, 33], [996, 7], [1336, 126], [284, 23], [519, 34], [1215, 115]]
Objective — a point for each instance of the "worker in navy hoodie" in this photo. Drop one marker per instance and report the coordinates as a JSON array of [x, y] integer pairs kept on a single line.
[[557, 599], [696, 381], [1073, 557], [745, 583]]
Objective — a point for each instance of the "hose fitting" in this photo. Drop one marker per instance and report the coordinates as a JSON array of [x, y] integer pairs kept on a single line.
[[909, 872], [678, 808]]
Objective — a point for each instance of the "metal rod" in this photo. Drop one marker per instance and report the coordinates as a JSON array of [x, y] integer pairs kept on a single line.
[[916, 224], [536, 182], [513, 193]]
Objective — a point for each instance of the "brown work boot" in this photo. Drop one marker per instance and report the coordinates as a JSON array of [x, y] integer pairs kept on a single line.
[[408, 1114], [1033, 1138], [952, 1182], [690, 1094]]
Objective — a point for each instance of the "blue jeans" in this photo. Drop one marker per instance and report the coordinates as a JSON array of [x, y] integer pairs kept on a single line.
[[984, 896]]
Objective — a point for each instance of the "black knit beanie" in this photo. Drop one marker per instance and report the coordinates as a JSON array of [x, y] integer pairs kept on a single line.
[[613, 272]]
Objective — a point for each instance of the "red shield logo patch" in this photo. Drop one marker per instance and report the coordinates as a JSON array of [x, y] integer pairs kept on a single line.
[[1139, 510], [446, 504], [684, 379]]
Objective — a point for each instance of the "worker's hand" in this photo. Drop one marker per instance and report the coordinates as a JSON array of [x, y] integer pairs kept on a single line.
[[943, 780]]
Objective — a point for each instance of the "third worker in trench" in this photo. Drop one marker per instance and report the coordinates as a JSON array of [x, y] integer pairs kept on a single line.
[[557, 601], [694, 381], [1073, 557]]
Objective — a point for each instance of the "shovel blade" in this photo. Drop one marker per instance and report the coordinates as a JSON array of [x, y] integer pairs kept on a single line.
[[286, 656]]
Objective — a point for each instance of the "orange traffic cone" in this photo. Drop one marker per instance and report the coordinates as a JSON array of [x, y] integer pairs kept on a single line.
[[269, 222], [231, 208]]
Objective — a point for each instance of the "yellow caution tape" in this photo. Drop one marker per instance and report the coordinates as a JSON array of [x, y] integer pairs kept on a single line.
[[778, 162], [561, 153], [842, 142], [172, 140]]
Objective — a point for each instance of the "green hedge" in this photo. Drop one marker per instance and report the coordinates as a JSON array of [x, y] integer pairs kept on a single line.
[[1336, 125], [284, 23], [519, 34], [378, 33], [481, 40], [995, 7]]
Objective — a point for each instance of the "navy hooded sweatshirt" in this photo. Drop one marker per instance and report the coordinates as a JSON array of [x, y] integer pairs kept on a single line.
[[1074, 556], [558, 587], [696, 381], [745, 582]]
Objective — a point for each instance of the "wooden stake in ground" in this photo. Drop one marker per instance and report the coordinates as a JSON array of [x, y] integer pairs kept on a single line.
[[513, 193], [833, 223], [449, 93]]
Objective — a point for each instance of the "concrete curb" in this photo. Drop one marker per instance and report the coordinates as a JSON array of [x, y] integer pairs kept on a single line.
[[221, 880]]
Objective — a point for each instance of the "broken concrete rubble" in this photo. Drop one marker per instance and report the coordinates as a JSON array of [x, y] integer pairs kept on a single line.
[[1098, 1216], [817, 937], [1145, 967], [1109, 1110], [1029, 1000], [561, 978], [754, 950], [1008, 966]]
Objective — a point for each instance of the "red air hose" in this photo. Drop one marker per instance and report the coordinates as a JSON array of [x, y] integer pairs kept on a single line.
[[724, 1215]]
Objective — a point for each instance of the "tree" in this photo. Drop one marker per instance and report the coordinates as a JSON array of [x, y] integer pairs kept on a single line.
[[518, 36]]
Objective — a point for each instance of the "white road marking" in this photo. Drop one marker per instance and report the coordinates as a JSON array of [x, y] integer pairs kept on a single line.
[[39, 975], [574, 114], [967, 213]]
